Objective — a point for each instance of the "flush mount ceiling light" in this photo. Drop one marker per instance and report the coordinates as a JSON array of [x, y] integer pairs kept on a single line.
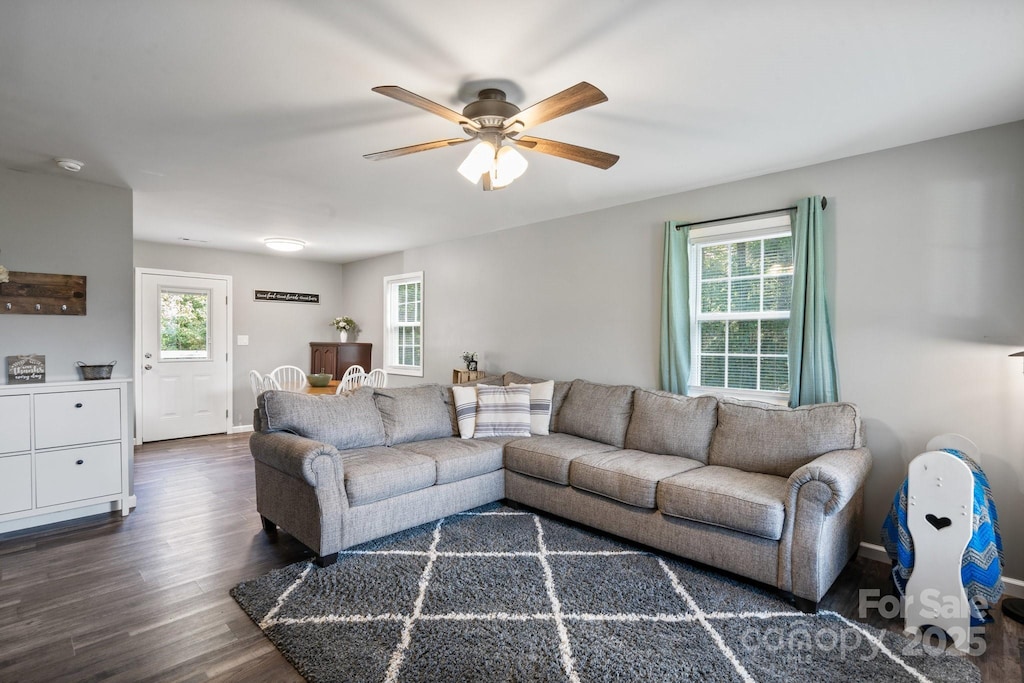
[[284, 244], [70, 165], [497, 124]]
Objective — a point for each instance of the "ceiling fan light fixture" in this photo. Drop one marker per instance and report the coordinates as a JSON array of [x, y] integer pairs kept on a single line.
[[284, 244], [479, 161], [508, 165]]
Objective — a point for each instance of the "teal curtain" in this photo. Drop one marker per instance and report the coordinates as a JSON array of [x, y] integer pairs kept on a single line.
[[675, 310], [812, 356]]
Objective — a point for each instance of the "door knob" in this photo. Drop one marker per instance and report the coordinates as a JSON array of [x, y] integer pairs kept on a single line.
[[149, 355], [148, 366]]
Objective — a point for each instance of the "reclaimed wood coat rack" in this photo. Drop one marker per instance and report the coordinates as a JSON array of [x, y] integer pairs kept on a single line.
[[43, 294]]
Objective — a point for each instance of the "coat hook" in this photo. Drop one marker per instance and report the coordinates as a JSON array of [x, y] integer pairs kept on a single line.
[[38, 307], [63, 307]]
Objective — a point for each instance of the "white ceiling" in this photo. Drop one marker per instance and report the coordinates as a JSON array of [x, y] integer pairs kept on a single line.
[[237, 120]]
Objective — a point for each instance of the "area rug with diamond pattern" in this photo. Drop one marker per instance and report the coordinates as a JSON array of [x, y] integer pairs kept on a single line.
[[499, 594]]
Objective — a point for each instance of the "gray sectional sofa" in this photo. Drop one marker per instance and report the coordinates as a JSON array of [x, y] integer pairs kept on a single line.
[[770, 493]]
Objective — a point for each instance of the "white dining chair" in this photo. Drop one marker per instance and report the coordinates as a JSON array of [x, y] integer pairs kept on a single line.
[[352, 381], [270, 383], [256, 382], [352, 370], [376, 378], [290, 378]]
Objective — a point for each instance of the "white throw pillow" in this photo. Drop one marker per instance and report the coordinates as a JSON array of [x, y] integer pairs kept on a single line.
[[502, 411], [540, 405], [465, 410]]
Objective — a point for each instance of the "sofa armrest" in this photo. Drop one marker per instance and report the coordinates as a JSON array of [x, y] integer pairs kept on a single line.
[[299, 457], [843, 473]]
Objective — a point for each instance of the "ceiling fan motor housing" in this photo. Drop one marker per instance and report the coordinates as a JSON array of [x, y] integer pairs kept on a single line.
[[491, 109]]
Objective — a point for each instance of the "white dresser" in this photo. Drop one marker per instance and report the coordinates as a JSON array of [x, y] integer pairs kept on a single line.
[[65, 451]]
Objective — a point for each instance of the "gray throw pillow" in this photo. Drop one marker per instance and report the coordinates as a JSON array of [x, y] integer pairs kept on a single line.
[[345, 421], [413, 413], [560, 392], [599, 412], [671, 424], [771, 439]]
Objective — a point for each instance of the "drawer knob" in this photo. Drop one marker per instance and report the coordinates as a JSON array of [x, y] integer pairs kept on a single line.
[[78, 405], [79, 462]]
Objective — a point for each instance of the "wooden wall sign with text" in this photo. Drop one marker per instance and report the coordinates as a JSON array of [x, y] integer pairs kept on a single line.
[[292, 297], [30, 369], [43, 294]]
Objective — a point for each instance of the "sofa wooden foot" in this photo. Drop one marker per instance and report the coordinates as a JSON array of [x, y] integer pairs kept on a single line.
[[804, 605], [268, 526], [326, 560]]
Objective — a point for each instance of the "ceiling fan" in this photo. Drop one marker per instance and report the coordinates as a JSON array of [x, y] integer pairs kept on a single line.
[[498, 124]]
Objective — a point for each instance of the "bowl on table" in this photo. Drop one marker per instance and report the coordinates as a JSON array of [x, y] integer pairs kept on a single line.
[[320, 379]]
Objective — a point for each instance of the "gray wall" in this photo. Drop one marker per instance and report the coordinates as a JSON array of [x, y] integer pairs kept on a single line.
[[926, 243], [279, 333], [57, 224]]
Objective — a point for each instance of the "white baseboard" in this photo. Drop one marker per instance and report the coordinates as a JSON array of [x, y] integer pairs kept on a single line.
[[241, 429], [1013, 588]]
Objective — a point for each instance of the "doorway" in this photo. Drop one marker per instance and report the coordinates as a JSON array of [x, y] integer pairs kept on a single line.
[[182, 353]]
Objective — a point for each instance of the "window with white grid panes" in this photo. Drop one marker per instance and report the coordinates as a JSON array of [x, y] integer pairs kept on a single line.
[[742, 285], [403, 324]]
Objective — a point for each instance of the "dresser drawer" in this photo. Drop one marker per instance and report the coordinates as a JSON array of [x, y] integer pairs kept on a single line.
[[15, 432], [67, 418], [15, 483], [78, 474]]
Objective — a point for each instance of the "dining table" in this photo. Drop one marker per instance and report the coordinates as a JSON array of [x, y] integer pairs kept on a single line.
[[331, 388]]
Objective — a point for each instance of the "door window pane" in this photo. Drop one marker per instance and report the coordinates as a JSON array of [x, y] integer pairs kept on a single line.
[[184, 325]]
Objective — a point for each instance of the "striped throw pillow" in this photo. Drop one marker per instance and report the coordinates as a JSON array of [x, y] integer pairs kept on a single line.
[[465, 410], [540, 405], [502, 411]]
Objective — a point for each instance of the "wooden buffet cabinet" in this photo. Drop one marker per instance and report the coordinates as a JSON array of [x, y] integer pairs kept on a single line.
[[337, 357]]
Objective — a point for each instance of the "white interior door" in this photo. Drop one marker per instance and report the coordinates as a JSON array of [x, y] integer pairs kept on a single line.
[[183, 355]]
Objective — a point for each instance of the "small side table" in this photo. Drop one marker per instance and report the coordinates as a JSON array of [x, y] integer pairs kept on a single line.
[[463, 376]]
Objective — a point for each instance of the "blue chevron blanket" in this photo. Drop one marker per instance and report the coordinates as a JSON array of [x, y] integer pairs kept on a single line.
[[981, 570]]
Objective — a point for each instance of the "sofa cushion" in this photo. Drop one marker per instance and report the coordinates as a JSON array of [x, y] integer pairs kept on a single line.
[[346, 421], [464, 400], [599, 412], [759, 437], [459, 459], [743, 501], [540, 406], [671, 424], [502, 411], [548, 457], [373, 474], [627, 476], [413, 413]]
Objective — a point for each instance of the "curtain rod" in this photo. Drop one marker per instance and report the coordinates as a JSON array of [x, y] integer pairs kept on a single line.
[[824, 203]]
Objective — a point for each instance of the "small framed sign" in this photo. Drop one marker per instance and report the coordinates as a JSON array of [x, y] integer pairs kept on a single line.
[[30, 369], [292, 297]]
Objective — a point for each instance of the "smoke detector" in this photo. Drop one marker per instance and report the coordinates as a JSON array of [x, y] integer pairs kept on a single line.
[[70, 165]]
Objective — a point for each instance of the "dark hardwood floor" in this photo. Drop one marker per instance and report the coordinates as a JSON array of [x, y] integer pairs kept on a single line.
[[145, 598]]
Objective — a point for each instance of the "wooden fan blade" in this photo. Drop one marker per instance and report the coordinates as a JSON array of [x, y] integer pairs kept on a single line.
[[411, 149], [403, 95], [584, 155], [579, 96]]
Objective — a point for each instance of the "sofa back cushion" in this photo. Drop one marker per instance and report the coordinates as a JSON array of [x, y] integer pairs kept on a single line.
[[599, 412], [670, 424], [770, 439], [413, 413], [345, 421]]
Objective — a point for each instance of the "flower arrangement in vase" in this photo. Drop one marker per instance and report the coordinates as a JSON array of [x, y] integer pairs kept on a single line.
[[469, 358], [344, 325]]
